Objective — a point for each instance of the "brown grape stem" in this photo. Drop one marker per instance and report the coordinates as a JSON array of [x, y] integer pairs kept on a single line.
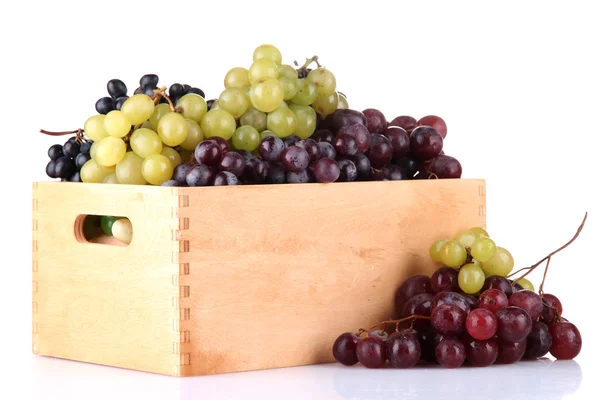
[[79, 138], [309, 61], [393, 321], [158, 93]]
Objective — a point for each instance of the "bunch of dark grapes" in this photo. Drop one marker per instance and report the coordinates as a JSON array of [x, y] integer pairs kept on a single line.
[[66, 160]]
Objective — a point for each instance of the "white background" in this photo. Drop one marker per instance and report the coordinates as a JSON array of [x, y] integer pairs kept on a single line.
[[517, 82]]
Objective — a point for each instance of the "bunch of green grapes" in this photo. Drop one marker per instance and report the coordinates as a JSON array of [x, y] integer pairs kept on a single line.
[[476, 256]]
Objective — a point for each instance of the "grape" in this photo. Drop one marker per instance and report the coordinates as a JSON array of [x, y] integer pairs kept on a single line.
[[453, 254], [425, 143], [244, 153], [364, 139], [266, 94], [81, 159], [116, 124], [92, 172], [223, 144], [159, 111], [299, 177], [194, 135], [376, 122], [444, 280], [306, 94], [380, 334], [325, 105], [129, 170], [380, 151], [393, 173], [450, 352], [199, 175], [471, 278], [409, 164], [197, 91], [399, 139], [295, 159], [235, 101], [149, 80], [254, 118], [50, 169], [176, 90], [170, 183], [225, 178], [419, 305], [85, 147], [94, 128], [194, 107], [119, 102], [480, 232], [237, 78], [452, 298], [405, 122], [287, 71], [481, 353], [255, 171], [64, 167], [539, 341], [173, 129], [411, 287], [282, 122], [445, 167], [500, 283], [566, 340], [122, 230], [514, 324], [261, 69], [434, 250], [348, 171], [326, 170], [208, 153], [481, 324], [290, 87], [371, 352], [511, 352], [345, 145], [324, 135], [71, 148], [138, 108], [465, 238], [311, 147], [180, 172], [344, 349], [448, 319], [500, 264], [267, 51], [492, 300], [483, 249], [323, 79], [55, 152], [246, 138], [116, 88], [552, 308], [111, 179], [275, 174], [326, 150], [106, 223], [172, 155], [525, 284], [218, 123], [145, 142], [435, 122], [232, 162], [156, 169], [403, 349], [270, 148], [109, 151], [529, 301], [104, 105], [342, 102]]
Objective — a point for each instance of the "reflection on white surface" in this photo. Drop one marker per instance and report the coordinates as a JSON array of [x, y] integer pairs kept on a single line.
[[541, 379]]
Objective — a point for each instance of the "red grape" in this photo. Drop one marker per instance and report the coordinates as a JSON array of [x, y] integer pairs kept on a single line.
[[223, 145], [425, 143], [404, 349], [552, 308], [451, 298], [405, 122], [363, 166], [409, 164], [225, 178], [323, 135], [290, 140], [450, 352], [514, 324], [378, 334], [481, 324], [498, 282], [445, 280], [371, 352], [326, 170], [348, 171], [539, 341], [380, 151], [400, 140], [413, 286], [344, 349], [344, 117], [294, 159], [311, 147], [345, 145], [360, 133], [376, 122], [255, 170], [435, 122], [326, 150], [481, 353], [529, 301], [445, 167], [566, 340], [448, 319], [493, 300], [511, 352]]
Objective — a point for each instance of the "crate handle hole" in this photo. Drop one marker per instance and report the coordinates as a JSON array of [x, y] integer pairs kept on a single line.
[[103, 229]]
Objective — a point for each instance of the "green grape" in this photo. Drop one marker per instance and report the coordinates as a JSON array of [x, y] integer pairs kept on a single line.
[[193, 105], [342, 102], [145, 142], [526, 284], [483, 249], [289, 87], [282, 122], [173, 129], [106, 223], [246, 137], [110, 151], [194, 136], [284, 105], [93, 149], [111, 178], [287, 71], [92, 172], [138, 108], [480, 232], [470, 278], [453, 254], [237, 77], [172, 155], [156, 169], [235, 101], [116, 124], [267, 51], [94, 127], [261, 69], [323, 79], [218, 123], [255, 118], [215, 105], [434, 250], [129, 170], [306, 118], [122, 230], [186, 156], [266, 94], [266, 133], [159, 111], [466, 238], [500, 264], [307, 93], [325, 105]]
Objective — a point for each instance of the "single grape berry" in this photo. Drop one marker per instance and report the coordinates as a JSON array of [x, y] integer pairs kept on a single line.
[[81, 159], [403, 349], [323, 135], [290, 140], [409, 164], [413, 286], [492, 300], [450, 352], [448, 319], [255, 171], [326, 170], [270, 148], [311, 147], [177, 90], [223, 145], [85, 147], [149, 80], [445, 280], [55, 152], [225, 178], [445, 167], [539, 341], [380, 151], [208, 152], [345, 145], [514, 324], [376, 122], [344, 349], [425, 143], [50, 169], [371, 352], [400, 140], [500, 283], [299, 177], [481, 353], [197, 91], [64, 167], [453, 298], [180, 172], [529, 301], [405, 122], [234, 163], [511, 352], [435, 122], [481, 324], [119, 102], [71, 148], [566, 340], [199, 175], [104, 105], [552, 308], [295, 159], [419, 305], [348, 172], [275, 174], [116, 88], [363, 166]]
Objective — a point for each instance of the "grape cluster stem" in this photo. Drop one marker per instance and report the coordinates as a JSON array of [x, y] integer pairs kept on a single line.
[[79, 137], [411, 318]]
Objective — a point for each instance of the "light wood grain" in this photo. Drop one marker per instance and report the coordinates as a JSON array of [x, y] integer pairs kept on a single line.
[[224, 279]]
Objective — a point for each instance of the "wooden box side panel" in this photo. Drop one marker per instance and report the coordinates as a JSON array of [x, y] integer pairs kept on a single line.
[[275, 273], [110, 305]]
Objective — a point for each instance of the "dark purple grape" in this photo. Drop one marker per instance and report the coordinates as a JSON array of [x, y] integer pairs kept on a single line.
[[481, 353], [225, 178], [515, 286], [344, 117], [71, 148], [514, 324], [448, 319], [403, 349], [208, 152], [393, 173], [244, 153], [445, 280], [209, 103], [255, 171], [380, 151], [326, 150], [290, 140], [326, 170], [234, 163], [149, 80], [566, 340], [471, 300], [405, 122], [197, 91], [50, 169], [177, 90], [223, 145], [445, 167], [376, 121], [348, 172], [294, 159], [116, 88], [360, 133], [344, 349], [147, 90], [104, 105], [400, 140], [529, 301], [85, 147], [427, 338], [498, 282], [409, 164], [323, 135], [425, 143], [300, 177], [311, 147], [511, 352], [199, 175], [452, 298], [64, 167], [450, 352], [270, 148], [418, 305], [55, 152], [413, 286], [119, 102], [81, 159], [76, 177], [552, 308], [371, 352], [539, 341], [435, 122], [363, 166], [180, 173], [345, 145], [170, 182], [275, 174]]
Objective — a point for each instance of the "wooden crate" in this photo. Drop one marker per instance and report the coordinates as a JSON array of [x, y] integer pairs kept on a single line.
[[223, 279]]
